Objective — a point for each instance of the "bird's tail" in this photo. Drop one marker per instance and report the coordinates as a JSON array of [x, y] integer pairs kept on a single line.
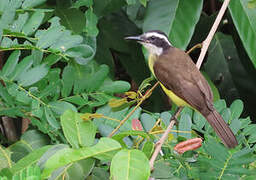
[[222, 129]]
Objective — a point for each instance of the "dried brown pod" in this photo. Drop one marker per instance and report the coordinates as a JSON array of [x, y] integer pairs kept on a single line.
[[188, 145]]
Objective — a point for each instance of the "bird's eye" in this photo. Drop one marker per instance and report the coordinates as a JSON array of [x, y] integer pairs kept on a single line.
[[152, 38]]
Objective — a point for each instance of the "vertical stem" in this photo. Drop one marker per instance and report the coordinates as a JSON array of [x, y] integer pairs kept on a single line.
[[208, 40]]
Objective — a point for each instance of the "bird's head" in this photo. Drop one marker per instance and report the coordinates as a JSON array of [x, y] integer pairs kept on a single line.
[[156, 42]]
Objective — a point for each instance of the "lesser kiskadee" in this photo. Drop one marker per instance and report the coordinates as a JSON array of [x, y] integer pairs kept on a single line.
[[182, 81]]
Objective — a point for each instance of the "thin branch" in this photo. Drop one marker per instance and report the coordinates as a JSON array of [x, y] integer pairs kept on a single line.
[[161, 141], [134, 109], [208, 40]]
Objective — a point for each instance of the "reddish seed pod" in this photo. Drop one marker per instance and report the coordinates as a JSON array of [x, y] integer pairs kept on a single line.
[[188, 145], [136, 125]]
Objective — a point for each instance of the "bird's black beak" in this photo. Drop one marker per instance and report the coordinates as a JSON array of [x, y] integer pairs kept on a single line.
[[134, 38]]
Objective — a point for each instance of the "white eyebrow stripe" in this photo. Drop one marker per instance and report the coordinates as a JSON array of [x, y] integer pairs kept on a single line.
[[158, 35]]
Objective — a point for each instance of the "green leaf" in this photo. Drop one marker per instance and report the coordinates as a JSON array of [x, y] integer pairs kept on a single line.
[[183, 27], [217, 66], [68, 77], [35, 139], [8, 15], [147, 121], [91, 23], [5, 158], [89, 79], [216, 94], [216, 150], [103, 8], [120, 136], [29, 160], [80, 3], [185, 124], [235, 125], [72, 19], [244, 19], [33, 75], [144, 2], [236, 108], [162, 170], [171, 17], [5, 95], [77, 131], [19, 23], [23, 66], [103, 150], [148, 148], [31, 172], [33, 23], [59, 107], [67, 41], [78, 100], [50, 118], [79, 170], [51, 59], [50, 152], [220, 105], [199, 120], [109, 112], [30, 140], [252, 4], [114, 86], [49, 37], [131, 2], [82, 53], [125, 162], [100, 174], [32, 3], [11, 63]]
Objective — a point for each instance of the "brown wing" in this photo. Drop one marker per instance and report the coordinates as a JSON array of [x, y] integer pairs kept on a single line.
[[176, 71]]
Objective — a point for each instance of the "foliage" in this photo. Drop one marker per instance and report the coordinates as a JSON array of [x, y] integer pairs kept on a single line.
[[66, 67]]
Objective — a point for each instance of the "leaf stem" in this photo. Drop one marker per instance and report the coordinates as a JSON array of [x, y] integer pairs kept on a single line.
[[208, 39], [159, 144], [225, 167]]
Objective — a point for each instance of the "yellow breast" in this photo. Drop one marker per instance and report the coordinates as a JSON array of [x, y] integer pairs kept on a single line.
[[175, 99]]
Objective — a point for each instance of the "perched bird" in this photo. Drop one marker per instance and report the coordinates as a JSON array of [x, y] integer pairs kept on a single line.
[[182, 81]]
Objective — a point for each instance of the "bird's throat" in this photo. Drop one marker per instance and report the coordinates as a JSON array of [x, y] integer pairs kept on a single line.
[[151, 61]]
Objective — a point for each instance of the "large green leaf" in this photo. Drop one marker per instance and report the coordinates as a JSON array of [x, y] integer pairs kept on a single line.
[[59, 107], [72, 19], [110, 40], [130, 164], [29, 160], [77, 131], [244, 19], [217, 66], [79, 170], [33, 75], [177, 18], [103, 150], [31, 140]]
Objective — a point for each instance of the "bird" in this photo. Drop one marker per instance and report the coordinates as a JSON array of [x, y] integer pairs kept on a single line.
[[182, 82]]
